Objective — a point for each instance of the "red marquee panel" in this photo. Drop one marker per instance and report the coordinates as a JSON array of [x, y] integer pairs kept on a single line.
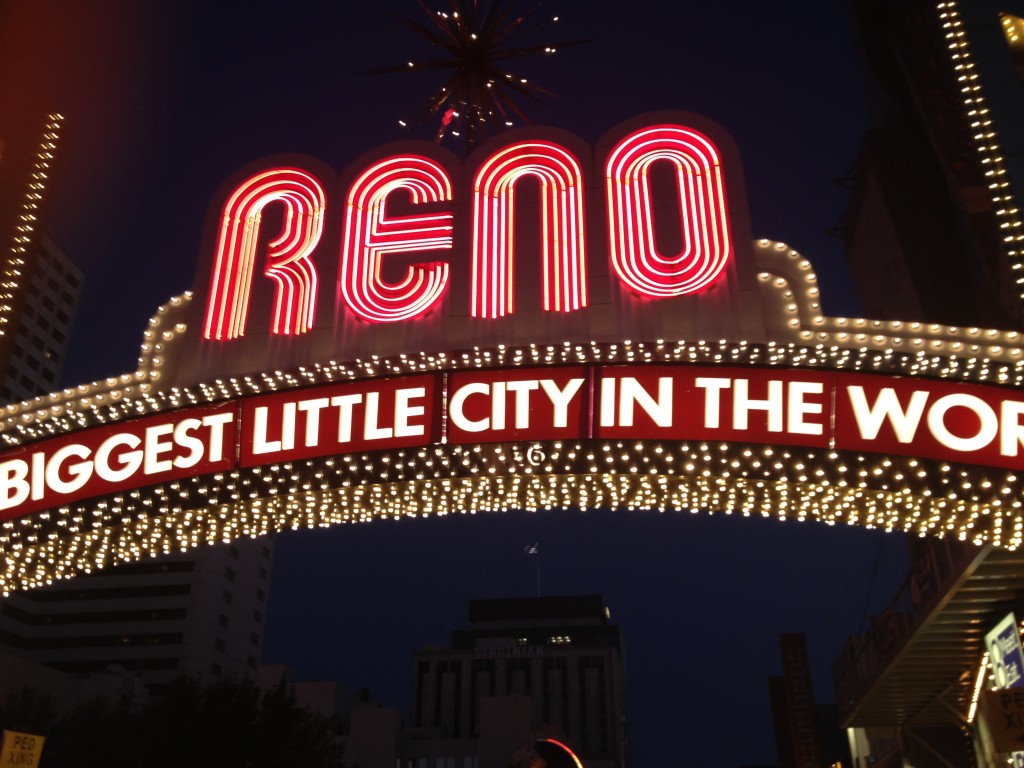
[[836, 410]]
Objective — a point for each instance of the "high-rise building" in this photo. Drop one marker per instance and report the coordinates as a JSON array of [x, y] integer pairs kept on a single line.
[[807, 734], [934, 233], [525, 669], [42, 331], [934, 228], [198, 614], [39, 286]]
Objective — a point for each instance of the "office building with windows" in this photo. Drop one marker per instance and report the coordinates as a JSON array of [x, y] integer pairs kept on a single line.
[[934, 228], [523, 670], [934, 234], [197, 615], [41, 286], [42, 331]]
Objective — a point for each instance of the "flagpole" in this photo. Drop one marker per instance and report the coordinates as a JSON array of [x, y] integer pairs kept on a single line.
[[538, 573], [533, 550]]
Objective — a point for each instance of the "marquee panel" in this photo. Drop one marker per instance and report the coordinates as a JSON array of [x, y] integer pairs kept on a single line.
[[716, 451]]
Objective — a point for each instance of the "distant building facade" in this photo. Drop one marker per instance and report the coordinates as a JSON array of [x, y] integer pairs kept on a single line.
[[934, 228], [807, 734], [934, 234], [524, 669], [201, 616], [42, 331], [40, 287]]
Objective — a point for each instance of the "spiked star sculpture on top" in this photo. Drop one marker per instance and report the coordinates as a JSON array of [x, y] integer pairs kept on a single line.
[[479, 97]]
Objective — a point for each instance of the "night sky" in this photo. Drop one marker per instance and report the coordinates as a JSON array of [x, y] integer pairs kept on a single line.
[[164, 100]]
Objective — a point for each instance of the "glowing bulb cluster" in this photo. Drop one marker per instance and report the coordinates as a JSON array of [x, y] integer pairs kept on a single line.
[[28, 218]]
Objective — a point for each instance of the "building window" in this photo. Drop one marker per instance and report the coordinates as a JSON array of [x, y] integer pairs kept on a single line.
[[223, 620], [517, 677], [219, 644]]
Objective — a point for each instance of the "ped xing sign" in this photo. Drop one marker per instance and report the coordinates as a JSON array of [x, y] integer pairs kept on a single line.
[[1004, 713], [21, 749], [942, 420]]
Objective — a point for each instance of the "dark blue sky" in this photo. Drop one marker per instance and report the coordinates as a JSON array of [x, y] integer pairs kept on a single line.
[[164, 100]]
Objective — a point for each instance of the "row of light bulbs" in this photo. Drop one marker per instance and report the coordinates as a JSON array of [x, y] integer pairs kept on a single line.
[[28, 219], [892, 493], [975, 503], [986, 140]]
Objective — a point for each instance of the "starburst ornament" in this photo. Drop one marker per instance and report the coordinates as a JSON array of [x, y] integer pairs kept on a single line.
[[477, 37]]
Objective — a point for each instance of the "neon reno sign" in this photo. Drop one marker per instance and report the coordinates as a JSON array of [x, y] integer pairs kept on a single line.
[[373, 235], [543, 326], [818, 409]]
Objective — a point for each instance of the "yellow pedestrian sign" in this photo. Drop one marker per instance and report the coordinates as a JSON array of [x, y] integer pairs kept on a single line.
[[21, 750], [1004, 713]]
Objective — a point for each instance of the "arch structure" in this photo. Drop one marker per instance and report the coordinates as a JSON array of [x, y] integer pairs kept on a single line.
[[119, 469]]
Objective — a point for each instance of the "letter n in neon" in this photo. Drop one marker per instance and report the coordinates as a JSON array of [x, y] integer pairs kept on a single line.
[[563, 256]]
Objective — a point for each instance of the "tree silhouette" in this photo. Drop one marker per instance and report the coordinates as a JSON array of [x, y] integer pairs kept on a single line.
[[230, 724]]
